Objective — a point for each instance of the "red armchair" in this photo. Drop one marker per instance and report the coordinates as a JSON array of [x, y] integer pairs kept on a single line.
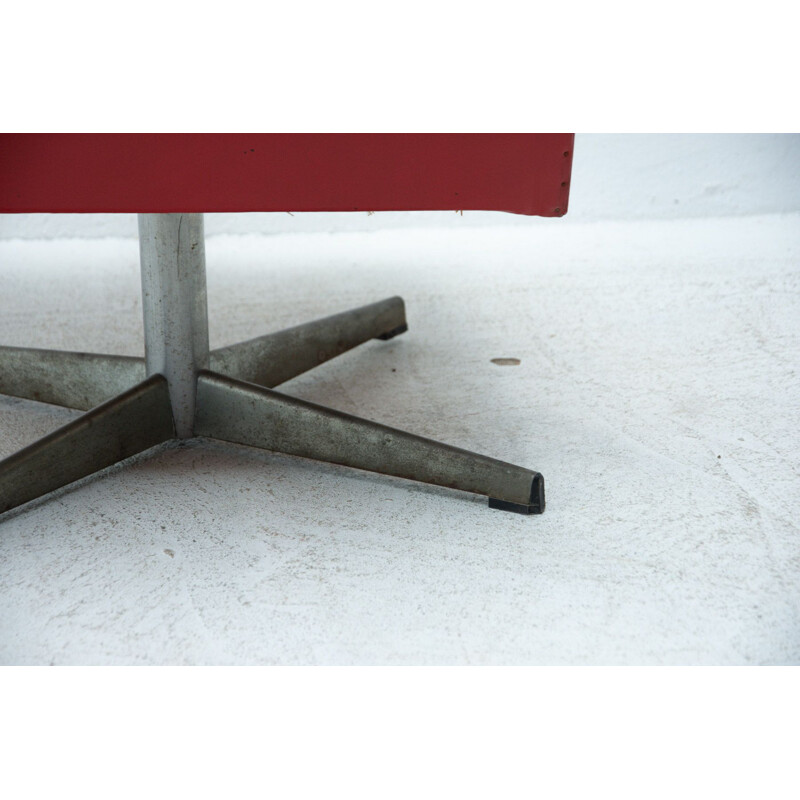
[[180, 388]]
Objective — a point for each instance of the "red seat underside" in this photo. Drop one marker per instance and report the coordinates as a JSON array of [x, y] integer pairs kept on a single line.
[[214, 172]]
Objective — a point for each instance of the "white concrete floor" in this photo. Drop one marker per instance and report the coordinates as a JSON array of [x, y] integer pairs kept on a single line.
[[657, 391]]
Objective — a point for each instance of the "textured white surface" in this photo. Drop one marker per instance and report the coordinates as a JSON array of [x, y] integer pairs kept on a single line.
[[657, 391]]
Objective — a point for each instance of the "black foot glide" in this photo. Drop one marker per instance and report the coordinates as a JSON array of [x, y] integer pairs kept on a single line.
[[536, 506], [394, 332]]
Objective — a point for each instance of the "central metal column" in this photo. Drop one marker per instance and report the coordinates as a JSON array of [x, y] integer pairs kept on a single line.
[[175, 308]]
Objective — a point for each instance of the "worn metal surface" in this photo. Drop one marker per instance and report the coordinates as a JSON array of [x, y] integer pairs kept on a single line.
[[74, 380], [182, 398], [175, 309], [124, 426], [84, 380], [233, 411], [272, 359]]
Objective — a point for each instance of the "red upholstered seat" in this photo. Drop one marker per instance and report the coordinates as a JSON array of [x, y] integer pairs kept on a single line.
[[187, 172]]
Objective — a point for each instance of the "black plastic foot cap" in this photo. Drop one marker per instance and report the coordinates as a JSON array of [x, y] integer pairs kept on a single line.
[[394, 332], [536, 505]]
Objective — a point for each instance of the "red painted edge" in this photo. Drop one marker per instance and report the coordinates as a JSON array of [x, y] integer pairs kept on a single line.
[[525, 173]]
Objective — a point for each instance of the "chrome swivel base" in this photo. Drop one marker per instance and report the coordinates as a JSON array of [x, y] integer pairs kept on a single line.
[[180, 390]]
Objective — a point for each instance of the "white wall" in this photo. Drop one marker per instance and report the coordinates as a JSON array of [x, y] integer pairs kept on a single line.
[[664, 176], [615, 176]]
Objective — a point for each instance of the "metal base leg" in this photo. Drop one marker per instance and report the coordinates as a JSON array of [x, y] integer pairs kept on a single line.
[[124, 426], [74, 380], [84, 380], [275, 358], [243, 413]]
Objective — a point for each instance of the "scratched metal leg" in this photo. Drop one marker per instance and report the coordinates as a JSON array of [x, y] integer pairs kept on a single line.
[[74, 380], [272, 359], [124, 426], [239, 412]]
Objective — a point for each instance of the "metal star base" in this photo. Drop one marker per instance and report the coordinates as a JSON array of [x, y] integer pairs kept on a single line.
[[180, 390]]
